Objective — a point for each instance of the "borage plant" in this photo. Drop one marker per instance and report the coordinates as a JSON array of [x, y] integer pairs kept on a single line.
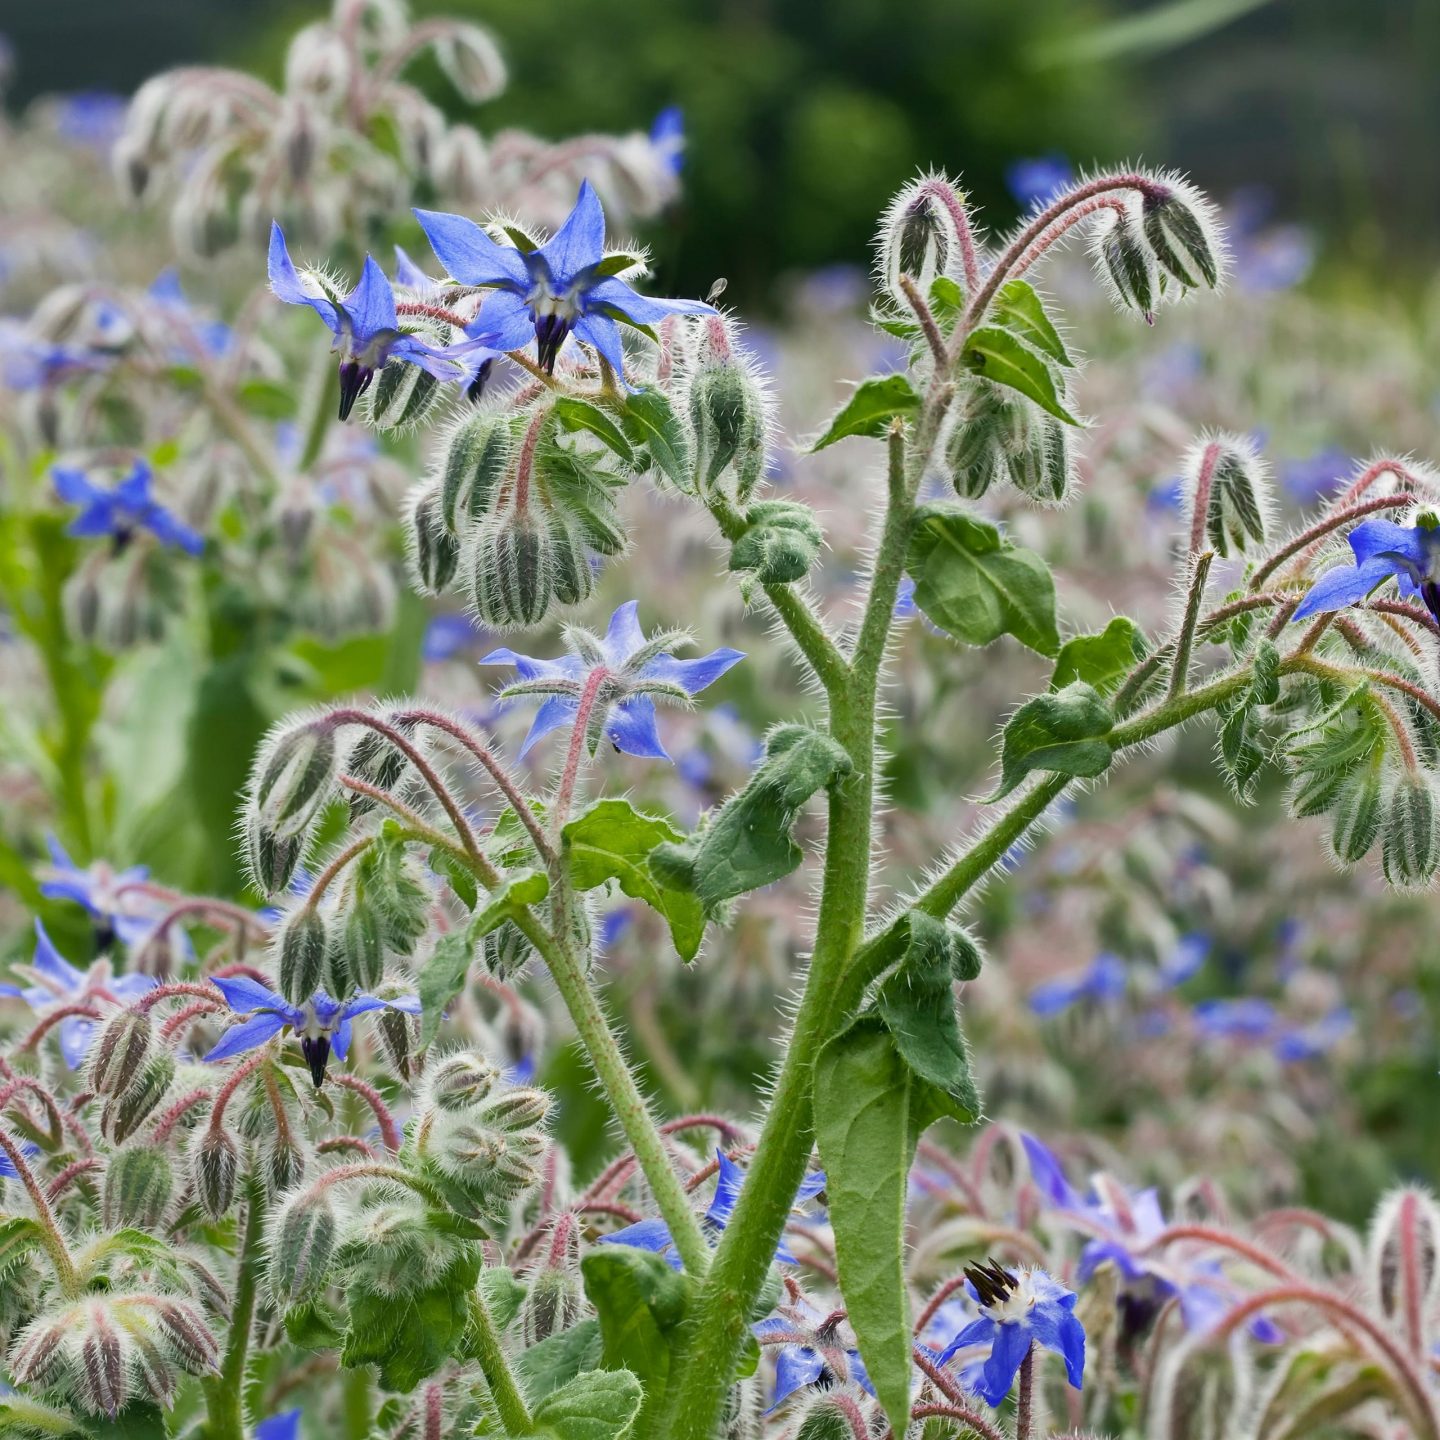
[[307, 1169]]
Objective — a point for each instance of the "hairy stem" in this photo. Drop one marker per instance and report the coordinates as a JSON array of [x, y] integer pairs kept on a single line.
[[504, 1389], [224, 1397]]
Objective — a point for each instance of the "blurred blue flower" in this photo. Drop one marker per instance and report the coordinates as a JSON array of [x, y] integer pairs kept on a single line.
[[213, 336], [1036, 181], [365, 326], [1103, 979], [1310, 1042], [1018, 1309], [808, 1351], [322, 1024], [667, 136], [548, 293], [120, 512], [54, 982], [446, 636], [1184, 960], [93, 118], [284, 1426], [635, 669], [1315, 477], [654, 1235], [1265, 257], [1248, 1018], [30, 363], [28, 1148], [1383, 551]]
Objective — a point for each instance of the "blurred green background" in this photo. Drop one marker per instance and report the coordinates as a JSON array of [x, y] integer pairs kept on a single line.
[[803, 116]]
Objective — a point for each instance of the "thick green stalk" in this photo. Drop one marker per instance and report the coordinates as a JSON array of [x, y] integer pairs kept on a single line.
[[225, 1409], [603, 1048], [504, 1390]]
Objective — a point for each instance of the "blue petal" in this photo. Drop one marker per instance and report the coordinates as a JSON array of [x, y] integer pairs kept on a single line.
[[631, 728], [653, 1235], [557, 712], [52, 964], [285, 1426], [615, 294], [692, 675], [102, 518], [1380, 537], [405, 1004], [371, 304], [340, 1038], [1058, 1330], [248, 1034], [1048, 1174], [361, 1005], [1051, 997], [601, 332], [858, 1373], [166, 528], [623, 635], [810, 1186], [1007, 1353], [580, 241], [76, 1033], [505, 322], [1345, 585], [727, 1190], [9, 991], [410, 275], [468, 254], [795, 1367], [980, 1331], [130, 988], [242, 994], [74, 488], [133, 492], [286, 283]]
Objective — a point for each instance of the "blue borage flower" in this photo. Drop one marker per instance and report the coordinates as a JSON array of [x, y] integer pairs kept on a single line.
[[1383, 551], [284, 1426], [809, 1349], [365, 326], [654, 1234], [120, 512], [667, 137], [566, 286], [1122, 1226], [1037, 180], [1104, 978], [28, 362], [322, 1024], [52, 982], [1018, 1309], [637, 671]]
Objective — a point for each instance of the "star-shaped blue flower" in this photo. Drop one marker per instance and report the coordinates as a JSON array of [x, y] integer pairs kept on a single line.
[[365, 326], [322, 1024], [1018, 1308], [54, 981], [636, 670], [1383, 550], [561, 289], [122, 511], [810, 1350], [654, 1234]]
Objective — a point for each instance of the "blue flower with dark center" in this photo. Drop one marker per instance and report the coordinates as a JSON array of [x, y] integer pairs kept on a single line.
[[1102, 979], [322, 1024], [654, 1234], [622, 672], [122, 511], [1018, 1309], [53, 982], [364, 324], [811, 1350], [566, 286], [1383, 551]]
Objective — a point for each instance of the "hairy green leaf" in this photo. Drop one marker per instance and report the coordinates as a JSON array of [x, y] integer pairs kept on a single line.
[[1063, 732], [598, 1405], [1000, 355], [870, 409], [651, 422], [1101, 660], [1020, 309]]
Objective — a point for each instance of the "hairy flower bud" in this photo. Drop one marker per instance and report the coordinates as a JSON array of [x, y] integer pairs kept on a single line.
[[458, 1082], [1179, 227], [507, 950], [301, 945], [476, 459], [119, 1053], [727, 414], [374, 759], [433, 550], [1228, 478], [554, 1301], [138, 1184], [293, 777], [1125, 262], [471, 62], [301, 1245], [780, 543], [403, 395], [1404, 1254], [357, 952], [188, 1336], [512, 567], [215, 1167], [1410, 832], [920, 235], [273, 858], [284, 1163], [1357, 812], [516, 1108], [126, 1112]]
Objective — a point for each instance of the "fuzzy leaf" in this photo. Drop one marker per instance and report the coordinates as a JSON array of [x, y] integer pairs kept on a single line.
[[650, 421], [1020, 309], [613, 841], [503, 1293], [1101, 660], [1061, 732], [971, 581], [558, 1358], [1000, 355], [576, 414], [870, 409], [747, 843], [598, 1405]]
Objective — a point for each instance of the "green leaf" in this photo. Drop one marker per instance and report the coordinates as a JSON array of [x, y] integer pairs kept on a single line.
[[314, 1325], [870, 1111], [269, 399], [576, 414], [503, 1294], [641, 1304], [553, 1361], [870, 409], [1101, 660], [917, 1003], [1000, 355], [947, 300], [1062, 732], [649, 420], [442, 976], [598, 1405], [1020, 309], [613, 841], [974, 583], [747, 843]]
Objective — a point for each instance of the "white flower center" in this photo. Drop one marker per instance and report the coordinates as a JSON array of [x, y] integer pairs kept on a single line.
[[1016, 1306]]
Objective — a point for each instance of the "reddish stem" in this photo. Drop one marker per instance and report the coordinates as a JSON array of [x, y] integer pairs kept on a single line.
[[74, 1169], [1204, 482], [175, 1113], [1323, 527], [565, 791], [389, 1130]]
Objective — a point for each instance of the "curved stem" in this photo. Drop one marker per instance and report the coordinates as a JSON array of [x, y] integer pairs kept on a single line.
[[50, 1235], [1322, 528]]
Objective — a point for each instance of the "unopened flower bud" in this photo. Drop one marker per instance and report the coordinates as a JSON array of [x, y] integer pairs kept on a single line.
[[284, 1163], [516, 1108], [294, 776], [573, 576], [215, 1166], [476, 459], [403, 395], [126, 1112], [459, 1081], [472, 63], [38, 1358], [1126, 263], [919, 235], [1180, 230], [138, 1185], [118, 1054], [273, 858], [1404, 1253], [1410, 832], [507, 950], [555, 1300], [1238, 495], [318, 62], [1356, 821], [301, 1245], [512, 570], [780, 543], [727, 413], [357, 954], [188, 1335], [301, 945], [375, 760], [101, 1378]]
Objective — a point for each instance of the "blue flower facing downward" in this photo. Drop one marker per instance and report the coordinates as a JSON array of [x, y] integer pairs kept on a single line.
[[630, 673], [1018, 1309], [364, 324], [120, 512], [810, 1349], [322, 1024], [654, 1234], [566, 286], [1383, 551]]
